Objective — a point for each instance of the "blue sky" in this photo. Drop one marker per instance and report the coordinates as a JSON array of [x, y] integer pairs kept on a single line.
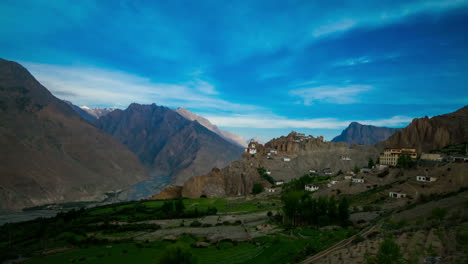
[[256, 68]]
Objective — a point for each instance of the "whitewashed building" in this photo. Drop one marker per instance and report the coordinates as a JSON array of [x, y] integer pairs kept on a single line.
[[357, 180], [396, 195], [311, 188], [279, 182], [286, 159], [426, 179]]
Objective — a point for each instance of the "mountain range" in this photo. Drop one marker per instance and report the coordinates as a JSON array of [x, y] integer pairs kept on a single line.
[[49, 153], [357, 133], [167, 143]]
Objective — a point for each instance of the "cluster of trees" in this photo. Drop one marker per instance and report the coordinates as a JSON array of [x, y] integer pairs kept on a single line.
[[265, 175], [176, 209], [299, 183], [257, 188], [405, 162], [299, 208]]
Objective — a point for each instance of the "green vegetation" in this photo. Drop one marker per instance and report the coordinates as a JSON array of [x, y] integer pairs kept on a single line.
[[300, 209], [177, 255], [405, 162], [299, 183], [265, 175], [257, 188], [370, 164], [356, 169], [389, 253]]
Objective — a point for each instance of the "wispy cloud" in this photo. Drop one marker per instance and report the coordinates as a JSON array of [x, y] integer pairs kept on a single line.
[[272, 121], [330, 94], [94, 86]]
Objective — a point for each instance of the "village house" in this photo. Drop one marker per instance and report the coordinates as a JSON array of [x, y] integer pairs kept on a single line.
[[357, 180], [396, 195], [365, 170], [279, 182], [345, 158], [432, 156], [286, 159], [348, 177], [426, 179], [313, 171], [390, 155], [331, 183], [381, 166], [268, 172], [311, 188], [270, 190], [327, 171]]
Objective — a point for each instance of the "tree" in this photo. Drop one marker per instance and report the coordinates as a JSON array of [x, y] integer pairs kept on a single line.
[[179, 206], [405, 161], [356, 169], [343, 210], [177, 255], [370, 164], [389, 253], [257, 188]]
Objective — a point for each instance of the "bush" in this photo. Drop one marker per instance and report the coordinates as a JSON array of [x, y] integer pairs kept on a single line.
[[257, 188], [177, 255]]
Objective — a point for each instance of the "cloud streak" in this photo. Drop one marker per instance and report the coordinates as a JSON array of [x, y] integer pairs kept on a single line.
[[94, 86], [272, 121], [330, 94]]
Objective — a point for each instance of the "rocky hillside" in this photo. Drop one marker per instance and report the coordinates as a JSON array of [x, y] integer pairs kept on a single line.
[[295, 155], [167, 143], [357, 133], [49, 153], [427, 134], [231, 137]]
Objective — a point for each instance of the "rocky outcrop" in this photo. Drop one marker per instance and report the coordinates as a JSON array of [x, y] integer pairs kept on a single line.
[[168, 144], [286, 158], [170, 192], [426, 134], [236, 179], [48, 153], [231, 137], [357, 133]]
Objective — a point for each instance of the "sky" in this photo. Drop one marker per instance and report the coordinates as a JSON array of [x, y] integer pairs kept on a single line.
[[255, 68]]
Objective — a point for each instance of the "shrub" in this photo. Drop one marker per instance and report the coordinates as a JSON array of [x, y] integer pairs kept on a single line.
[[177, 255], [257, 188]]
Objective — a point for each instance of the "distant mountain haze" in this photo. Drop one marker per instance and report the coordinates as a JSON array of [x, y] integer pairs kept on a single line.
[[97, 112], [426, 134], [49, 154], [167, 143], [233, 138], [357, 133], [84, 114]]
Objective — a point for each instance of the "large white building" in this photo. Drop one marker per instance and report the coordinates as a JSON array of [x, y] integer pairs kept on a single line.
[[390, 155]]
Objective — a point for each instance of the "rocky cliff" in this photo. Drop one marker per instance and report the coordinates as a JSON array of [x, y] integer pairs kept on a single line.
[[168, 144], [357, 133], [48, 153], [286, 158], [427, 134]]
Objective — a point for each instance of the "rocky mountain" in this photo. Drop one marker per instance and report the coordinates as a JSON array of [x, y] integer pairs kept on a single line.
[[97, 112], [231, 137], [49, 153], [167, 143], [85, 115], [427, 134], [357, 133], [286, 158]]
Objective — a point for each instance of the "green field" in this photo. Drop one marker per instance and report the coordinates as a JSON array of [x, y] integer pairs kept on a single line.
[[269, 249]]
